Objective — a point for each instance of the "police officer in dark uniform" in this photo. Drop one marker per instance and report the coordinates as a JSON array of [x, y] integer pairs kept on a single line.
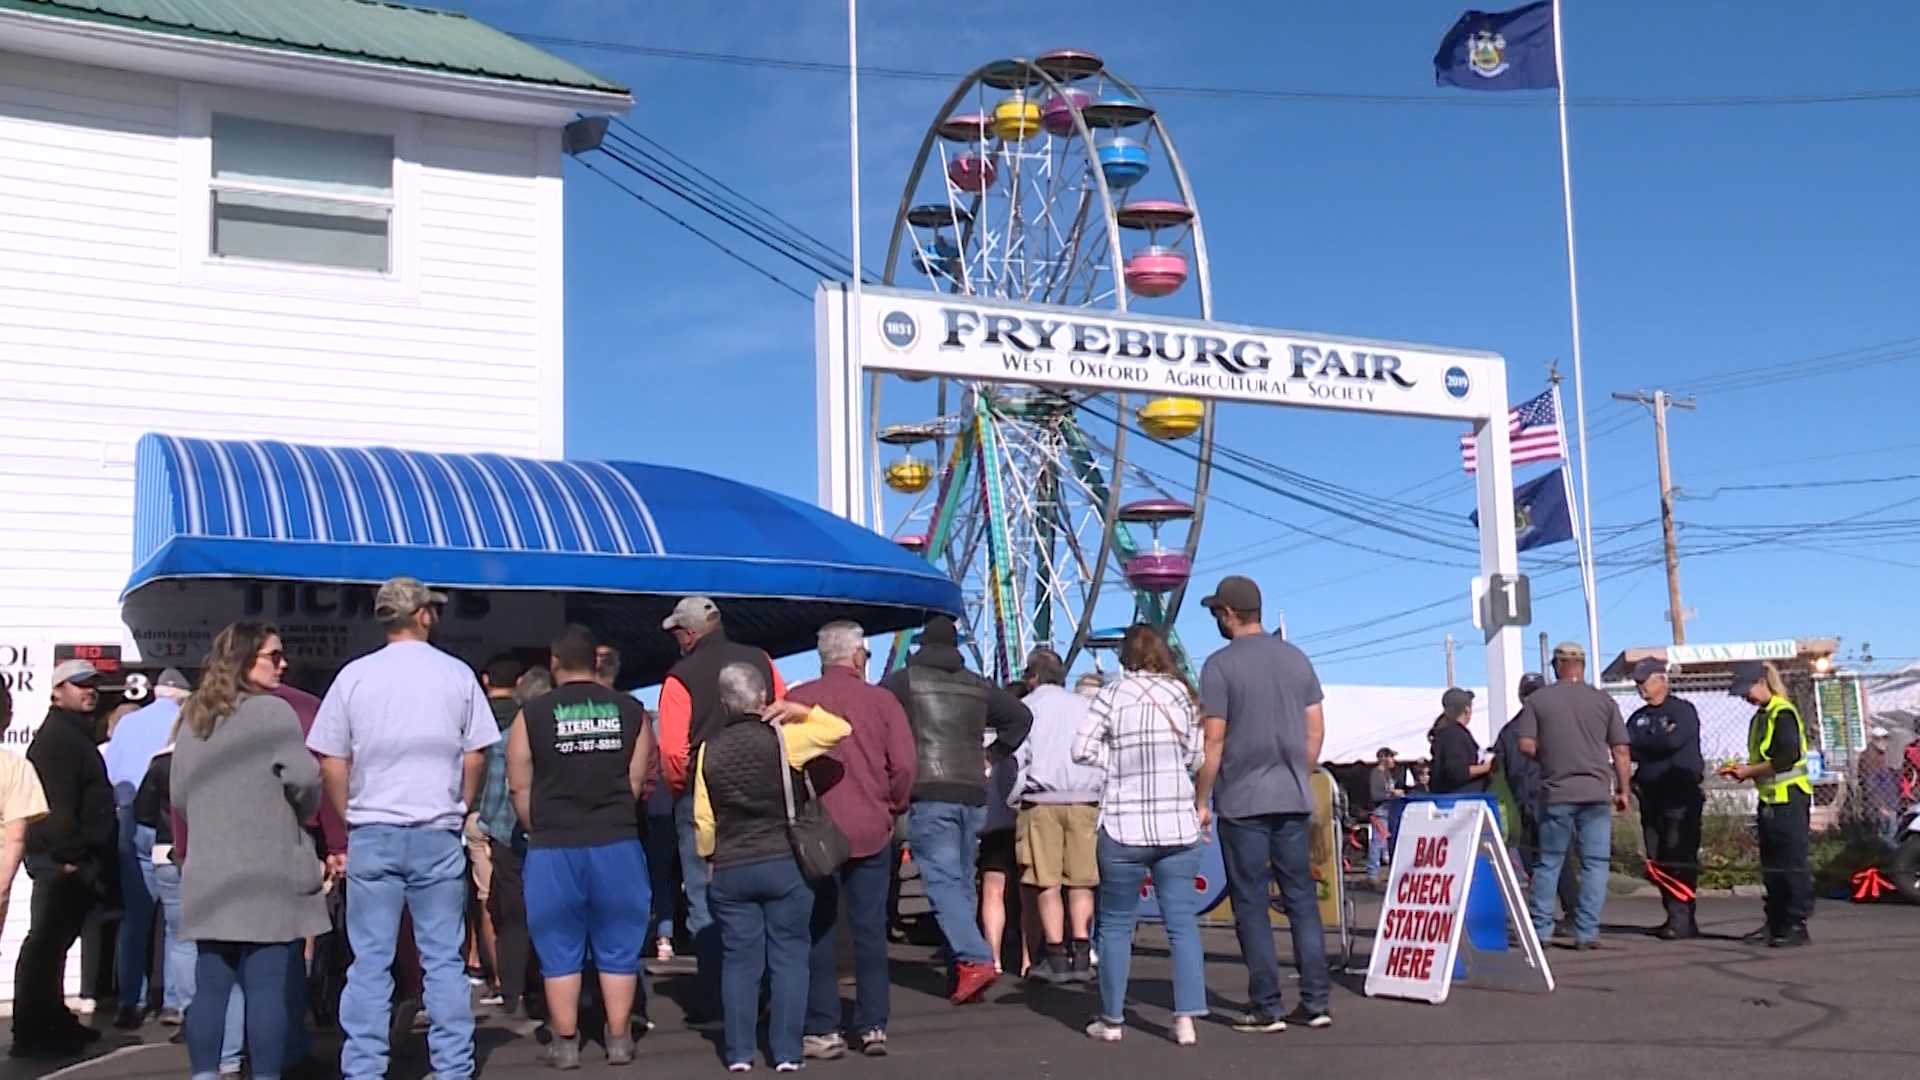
[[1777, 765], [1664, 736]]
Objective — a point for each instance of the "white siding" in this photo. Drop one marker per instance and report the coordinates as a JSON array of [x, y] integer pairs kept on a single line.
[[112, 324]]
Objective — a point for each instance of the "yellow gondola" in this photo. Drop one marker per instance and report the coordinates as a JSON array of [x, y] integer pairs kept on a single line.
[[1017, 118], [1171, 418], [909, 475]]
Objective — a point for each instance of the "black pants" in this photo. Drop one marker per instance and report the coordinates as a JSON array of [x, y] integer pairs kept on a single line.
[[61, 904], [1670, 828], [1784, 833], [507, 901]]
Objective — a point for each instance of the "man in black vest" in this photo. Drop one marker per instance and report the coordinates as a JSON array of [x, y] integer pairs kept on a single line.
[[950, 710], [690, 712]]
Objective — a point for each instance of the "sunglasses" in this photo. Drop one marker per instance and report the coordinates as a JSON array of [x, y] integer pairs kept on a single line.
[[277, 657]]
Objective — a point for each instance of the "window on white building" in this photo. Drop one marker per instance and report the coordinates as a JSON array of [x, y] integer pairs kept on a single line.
[[292, 194]]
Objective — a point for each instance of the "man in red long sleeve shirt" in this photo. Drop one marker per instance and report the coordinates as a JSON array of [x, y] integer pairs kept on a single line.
[[879, 762], [690, 710]]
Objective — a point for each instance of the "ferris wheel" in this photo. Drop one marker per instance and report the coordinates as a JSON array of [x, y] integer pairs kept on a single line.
[[1048, 180]]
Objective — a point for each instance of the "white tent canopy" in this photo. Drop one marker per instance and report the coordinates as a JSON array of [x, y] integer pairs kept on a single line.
[[1362, 719]]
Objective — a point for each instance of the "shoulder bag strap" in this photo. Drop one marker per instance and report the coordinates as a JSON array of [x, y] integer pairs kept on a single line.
[[786, 772]]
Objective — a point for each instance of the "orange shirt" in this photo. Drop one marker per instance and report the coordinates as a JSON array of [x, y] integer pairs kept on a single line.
[[676, 723]]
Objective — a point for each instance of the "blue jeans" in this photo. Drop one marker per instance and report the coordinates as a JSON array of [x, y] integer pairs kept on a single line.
[[183, 958], [865, 884], [946, 843], [706, 936], [1259, 851], [1592, 824], [1376, 843], [137, 902], [763, 910], [1124, 868], [222, 972], [423, 870], [663, 866]]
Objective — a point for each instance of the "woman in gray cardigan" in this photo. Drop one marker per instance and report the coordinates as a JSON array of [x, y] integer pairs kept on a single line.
[[243, 782]]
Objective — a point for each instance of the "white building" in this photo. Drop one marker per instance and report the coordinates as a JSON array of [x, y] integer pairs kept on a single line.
[[340, 224]]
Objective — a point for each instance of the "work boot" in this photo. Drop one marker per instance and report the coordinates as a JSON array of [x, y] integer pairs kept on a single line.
[[1055, 967], [1792, 936], [1080, 960], [1681, 926]]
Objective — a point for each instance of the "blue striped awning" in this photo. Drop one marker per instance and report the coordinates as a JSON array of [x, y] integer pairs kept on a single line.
[[275, 511]]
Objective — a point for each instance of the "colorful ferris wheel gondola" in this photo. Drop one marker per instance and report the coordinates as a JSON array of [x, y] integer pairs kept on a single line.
[[1029, 186]]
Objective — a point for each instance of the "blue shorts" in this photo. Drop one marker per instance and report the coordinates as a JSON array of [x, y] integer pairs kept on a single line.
[[578, 896]]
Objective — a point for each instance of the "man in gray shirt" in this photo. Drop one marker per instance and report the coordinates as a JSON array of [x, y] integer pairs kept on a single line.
[[1260, 701], [1577, 735]]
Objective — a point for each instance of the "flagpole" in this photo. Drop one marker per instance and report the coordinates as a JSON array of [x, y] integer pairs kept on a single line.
[[1583, 551], [854, 412], [1579, 382]]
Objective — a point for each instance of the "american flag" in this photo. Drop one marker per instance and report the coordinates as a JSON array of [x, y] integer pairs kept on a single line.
[[1533, 431]]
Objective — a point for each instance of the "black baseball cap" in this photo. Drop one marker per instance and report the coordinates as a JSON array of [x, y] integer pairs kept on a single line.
[[1530, 682], [1745, 675], [1234, 592], [1647, 669], [1455, 699]]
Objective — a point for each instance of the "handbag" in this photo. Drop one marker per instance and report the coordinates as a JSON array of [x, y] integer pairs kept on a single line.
[[818, 844]]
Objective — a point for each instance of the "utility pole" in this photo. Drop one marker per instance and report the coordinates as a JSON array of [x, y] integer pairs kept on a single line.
[[1450, 681], [1543, 653], [1659, 401]]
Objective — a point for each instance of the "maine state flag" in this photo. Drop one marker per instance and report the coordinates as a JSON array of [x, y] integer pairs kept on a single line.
[[1540, 514], [1499, 50]]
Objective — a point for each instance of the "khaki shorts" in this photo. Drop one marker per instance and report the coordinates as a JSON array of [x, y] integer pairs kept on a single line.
[[1056, 845], [479, 859]]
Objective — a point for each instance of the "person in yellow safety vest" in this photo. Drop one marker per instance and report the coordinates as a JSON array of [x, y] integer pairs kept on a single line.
[[1777, 765]]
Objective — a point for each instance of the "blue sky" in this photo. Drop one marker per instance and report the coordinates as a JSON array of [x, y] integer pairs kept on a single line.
[[1713, 240]]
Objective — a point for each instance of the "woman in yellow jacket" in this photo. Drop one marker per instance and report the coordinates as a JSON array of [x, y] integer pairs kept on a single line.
[[1777, 765]]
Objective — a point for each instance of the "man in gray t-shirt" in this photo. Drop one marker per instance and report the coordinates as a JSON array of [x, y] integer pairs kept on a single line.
[[1260, 700], [1577, 735]]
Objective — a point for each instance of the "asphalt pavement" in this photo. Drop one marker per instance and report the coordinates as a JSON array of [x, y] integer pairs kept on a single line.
[[1844, 1007]]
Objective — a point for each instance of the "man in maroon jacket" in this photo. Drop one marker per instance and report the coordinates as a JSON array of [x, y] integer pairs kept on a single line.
[[878, 759]]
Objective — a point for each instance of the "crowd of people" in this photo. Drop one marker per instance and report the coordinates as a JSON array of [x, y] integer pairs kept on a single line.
[[535, 833]]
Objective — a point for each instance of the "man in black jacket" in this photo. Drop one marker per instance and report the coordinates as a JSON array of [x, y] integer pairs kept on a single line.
[[1664, 738], [69, 855], [950, 710]]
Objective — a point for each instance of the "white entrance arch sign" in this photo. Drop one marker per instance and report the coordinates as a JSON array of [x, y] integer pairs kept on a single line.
[[917, 333]]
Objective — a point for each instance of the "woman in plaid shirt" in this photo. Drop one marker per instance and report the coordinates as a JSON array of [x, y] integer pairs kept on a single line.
[[1144, 731]]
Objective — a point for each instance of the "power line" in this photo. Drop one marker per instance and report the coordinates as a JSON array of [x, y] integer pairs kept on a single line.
[[1271, 94], [670, 216], [1794, 485]]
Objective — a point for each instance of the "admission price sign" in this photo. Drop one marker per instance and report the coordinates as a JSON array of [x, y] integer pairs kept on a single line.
[[1424, 917]]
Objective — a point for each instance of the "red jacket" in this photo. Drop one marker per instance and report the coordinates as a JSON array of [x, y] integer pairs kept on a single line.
[[878, 757]]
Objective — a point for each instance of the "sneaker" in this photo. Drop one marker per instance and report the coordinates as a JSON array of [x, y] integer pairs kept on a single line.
[[1259, 1023], [1080, 962], [1305, 1017], [619, 1049], [740, 1066], [476, 977], [788, 1066], [1054, 968], [172, 1018], [826, 1047], [493, 998], [563, 1054], [874, 1043], [1792, 937], [1099, 1030], [1183, 1034], [128, 1018], [970, 981]]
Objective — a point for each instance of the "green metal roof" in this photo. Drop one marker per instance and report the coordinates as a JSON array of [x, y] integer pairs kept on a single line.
[[369, 30]]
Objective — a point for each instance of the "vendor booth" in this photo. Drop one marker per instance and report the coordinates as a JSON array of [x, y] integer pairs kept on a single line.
[[301, 536]]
